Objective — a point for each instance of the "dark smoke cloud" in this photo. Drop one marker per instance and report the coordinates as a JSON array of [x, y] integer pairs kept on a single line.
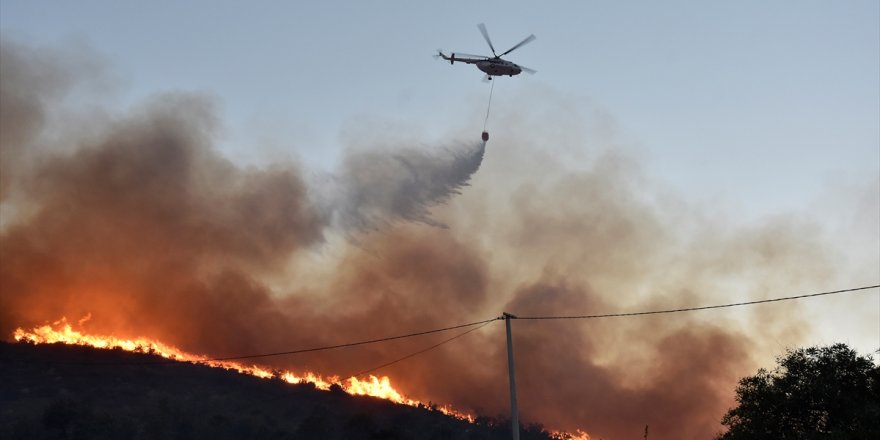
[[677, 390], [147, 217], [28, 82], [35, 81], [147, 220], [145, 226]]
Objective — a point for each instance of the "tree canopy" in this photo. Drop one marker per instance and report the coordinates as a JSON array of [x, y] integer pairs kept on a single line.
[[814, 393]]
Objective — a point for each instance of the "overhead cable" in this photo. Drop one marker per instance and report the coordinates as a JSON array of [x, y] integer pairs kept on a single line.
[[691, 309], [388, 364], [352, 344], [486, 321]]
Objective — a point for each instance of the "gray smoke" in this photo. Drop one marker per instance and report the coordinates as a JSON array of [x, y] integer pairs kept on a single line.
[[143, 212], [145, 226]]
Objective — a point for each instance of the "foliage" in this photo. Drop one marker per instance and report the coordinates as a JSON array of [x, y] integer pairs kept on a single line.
[[814, 393]]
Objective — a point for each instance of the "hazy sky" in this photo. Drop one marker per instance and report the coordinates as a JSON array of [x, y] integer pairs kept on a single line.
[[747, 114], [763, 104]]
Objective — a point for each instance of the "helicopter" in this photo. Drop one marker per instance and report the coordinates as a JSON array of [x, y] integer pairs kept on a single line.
[[494, 65]]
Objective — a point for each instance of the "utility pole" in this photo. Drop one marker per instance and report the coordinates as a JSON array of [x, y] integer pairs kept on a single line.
[[514, 412]]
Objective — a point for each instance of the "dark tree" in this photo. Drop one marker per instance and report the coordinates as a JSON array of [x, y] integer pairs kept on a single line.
[[814, 393]]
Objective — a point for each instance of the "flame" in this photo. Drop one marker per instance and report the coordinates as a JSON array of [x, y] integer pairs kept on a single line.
[[576, 435], [62, 332]]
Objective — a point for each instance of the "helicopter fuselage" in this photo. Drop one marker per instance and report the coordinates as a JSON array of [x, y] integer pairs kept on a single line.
[[498, 67]]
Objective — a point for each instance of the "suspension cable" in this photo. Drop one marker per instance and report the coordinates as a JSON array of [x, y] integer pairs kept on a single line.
[[488, 107]]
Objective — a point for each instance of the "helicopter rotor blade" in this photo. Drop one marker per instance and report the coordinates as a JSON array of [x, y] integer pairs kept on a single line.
[[528, 39], [486, 36]]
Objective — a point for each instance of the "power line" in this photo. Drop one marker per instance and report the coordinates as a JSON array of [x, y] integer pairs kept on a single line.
[[691, 309], [387, 364], [352, 344], [486, 321]]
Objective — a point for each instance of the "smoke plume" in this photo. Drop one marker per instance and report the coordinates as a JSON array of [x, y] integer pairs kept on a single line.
[[144, 225]]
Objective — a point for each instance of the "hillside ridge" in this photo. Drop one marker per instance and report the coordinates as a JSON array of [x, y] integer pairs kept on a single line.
[[52, 391]]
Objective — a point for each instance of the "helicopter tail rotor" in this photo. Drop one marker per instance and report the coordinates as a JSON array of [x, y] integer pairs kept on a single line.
[[440, 54]]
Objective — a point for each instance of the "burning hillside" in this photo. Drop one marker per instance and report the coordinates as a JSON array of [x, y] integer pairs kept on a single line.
[[69, 391], [135, 217], [62, 332]]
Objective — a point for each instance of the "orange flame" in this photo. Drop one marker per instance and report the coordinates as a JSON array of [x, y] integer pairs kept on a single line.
[[61, 332], [576, 435]]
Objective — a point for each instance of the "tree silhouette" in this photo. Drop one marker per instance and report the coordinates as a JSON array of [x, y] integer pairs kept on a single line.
[[818, 392]]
